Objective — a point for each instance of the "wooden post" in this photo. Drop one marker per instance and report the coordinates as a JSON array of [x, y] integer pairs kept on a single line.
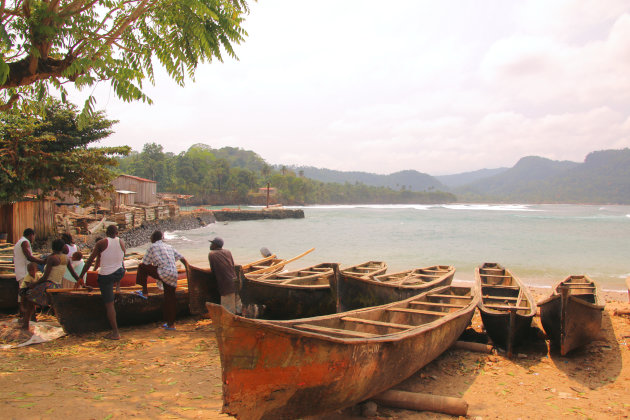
[[422, 402], [267, 195]]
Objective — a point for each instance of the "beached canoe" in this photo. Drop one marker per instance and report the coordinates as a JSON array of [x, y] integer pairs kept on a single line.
[[354, 292], [298, 368], [572, 315], [294, 294], [129, 279], [8, 292], [507, 307], [80, 311]]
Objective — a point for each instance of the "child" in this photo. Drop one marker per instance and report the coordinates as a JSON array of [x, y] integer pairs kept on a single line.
[[32, 277], [77, 263]]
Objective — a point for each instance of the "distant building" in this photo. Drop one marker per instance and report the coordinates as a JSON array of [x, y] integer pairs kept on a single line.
[[263, 190], [135, 190]]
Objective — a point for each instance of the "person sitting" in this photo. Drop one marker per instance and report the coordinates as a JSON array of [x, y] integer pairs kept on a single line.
[[159, 263], [77, 264], [56, 265]]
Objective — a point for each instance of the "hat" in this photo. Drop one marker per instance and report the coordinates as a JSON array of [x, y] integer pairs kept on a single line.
[[217, 241]]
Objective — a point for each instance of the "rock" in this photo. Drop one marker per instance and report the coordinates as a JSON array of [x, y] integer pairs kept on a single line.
[[369, 409]]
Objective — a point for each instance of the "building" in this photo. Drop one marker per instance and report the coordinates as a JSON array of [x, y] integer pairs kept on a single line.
[[126, 185]]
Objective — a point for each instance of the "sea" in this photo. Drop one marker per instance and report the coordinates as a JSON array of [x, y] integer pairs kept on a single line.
[[541, 244]]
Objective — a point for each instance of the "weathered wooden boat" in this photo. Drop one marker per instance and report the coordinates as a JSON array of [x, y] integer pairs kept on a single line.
[[81, 311], [572, 315], [8, 292], [295, 294], [202, 288], [264, 265], [303, 367], [366, 269], [354, 292], [507, 307]]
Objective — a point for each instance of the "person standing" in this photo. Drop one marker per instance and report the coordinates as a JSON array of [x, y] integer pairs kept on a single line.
[[71, 247], [22, 256], [222, 266], [159, 263], [111, 252]]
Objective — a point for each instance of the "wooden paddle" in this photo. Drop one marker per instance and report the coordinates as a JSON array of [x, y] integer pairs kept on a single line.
[[273, 268], [270, 257]]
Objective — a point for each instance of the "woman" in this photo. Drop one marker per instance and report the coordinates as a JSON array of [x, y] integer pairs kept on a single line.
[[56, 265]]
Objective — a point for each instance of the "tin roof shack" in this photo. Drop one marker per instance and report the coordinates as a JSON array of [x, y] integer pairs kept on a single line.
[[36, 214], [145, 189]]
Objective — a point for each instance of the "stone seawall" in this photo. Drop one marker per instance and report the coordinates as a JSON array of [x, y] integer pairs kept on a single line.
[[142, 235], [234, 215]]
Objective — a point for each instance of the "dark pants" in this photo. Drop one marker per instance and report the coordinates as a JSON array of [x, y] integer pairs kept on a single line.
[[170, 300]]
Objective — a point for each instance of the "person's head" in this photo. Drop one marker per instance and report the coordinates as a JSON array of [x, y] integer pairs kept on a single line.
[[29, 234], [77, 256], [156, 236], [216, 243], [58, 245], [67, 238], [111, 231], [32, 268]]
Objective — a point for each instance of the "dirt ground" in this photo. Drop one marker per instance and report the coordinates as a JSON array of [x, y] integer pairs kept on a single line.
[[152, 373]]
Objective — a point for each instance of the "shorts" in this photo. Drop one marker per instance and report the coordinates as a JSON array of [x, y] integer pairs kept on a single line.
[[106, 284]]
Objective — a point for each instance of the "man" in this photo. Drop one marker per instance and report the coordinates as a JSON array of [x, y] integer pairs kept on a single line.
[[111, 252], [22, 256], [222, 266], [159, 263]]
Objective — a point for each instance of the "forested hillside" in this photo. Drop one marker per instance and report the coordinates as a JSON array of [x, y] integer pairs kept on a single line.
[[233, 176]]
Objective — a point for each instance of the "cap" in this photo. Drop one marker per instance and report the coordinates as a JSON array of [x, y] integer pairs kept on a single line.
[[217, 241]]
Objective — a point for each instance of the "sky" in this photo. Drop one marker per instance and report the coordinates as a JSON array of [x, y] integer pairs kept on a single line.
[[442, 87]]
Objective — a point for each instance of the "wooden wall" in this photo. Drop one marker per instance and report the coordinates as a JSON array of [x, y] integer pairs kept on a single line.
[[16, 217], [146, 191]]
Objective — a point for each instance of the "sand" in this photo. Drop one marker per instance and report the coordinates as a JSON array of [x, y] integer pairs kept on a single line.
[[152, 373]]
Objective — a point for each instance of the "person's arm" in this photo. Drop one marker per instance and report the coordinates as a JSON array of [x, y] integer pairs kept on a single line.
[[26, 249], [51, 261], [122, 245], [72, 272], [96, 252]]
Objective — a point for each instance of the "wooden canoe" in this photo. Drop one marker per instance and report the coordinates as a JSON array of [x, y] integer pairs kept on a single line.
[[354, 292], [294, 294], [572, 315], [8, 292], [299, 368], [80, 311], [507, 307]]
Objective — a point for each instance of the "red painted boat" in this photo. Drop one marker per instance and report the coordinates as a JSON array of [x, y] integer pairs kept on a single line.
[[129, 279]]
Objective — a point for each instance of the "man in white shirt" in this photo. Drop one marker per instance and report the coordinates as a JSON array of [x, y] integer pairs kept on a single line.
[[23, 255]]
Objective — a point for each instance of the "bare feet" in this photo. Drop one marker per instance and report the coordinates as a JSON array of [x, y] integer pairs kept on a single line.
[[112, 336]]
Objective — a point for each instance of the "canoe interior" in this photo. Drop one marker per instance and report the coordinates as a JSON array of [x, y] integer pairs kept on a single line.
[[81, 311], [129, 278], [318, 365], [367, 269], [354, 292], [575, 319], [297, 294], [507, 307]]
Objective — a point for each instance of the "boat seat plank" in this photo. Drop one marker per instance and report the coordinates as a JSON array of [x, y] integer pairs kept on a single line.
[[500, 286], [416, 311], [582, 287], [450, 296], [499, 297], [377, 323], [446, 305], [336, 331], [507, 307]]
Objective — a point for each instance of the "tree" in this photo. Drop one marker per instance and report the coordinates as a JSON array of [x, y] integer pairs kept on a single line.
[[53, 42], [49, 153]]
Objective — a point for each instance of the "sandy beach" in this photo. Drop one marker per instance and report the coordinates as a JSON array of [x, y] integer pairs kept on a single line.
[[152, 373]]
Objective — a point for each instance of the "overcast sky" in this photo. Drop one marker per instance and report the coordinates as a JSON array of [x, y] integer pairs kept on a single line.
[[441, 87]]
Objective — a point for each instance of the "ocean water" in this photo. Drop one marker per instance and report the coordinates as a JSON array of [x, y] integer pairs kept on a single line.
[[541, 244]]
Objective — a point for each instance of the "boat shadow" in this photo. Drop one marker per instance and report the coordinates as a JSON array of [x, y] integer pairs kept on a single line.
[[596, 364]]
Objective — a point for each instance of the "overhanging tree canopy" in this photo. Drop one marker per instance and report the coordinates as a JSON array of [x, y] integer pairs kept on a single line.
[[46, 42]]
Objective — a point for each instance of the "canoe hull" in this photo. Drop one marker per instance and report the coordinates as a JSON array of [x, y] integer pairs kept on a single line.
[[356, 292], [571, 322], [128, 280], [8, 292], [81, 311], [202, 288], [285, 301], [271, 372]]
